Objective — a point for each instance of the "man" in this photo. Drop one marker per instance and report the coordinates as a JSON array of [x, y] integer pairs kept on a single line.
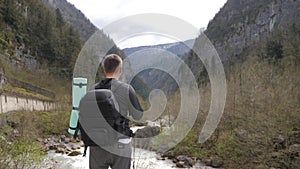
[[128, 106]]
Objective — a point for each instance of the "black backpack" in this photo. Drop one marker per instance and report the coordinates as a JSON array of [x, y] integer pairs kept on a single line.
[[100, 123]]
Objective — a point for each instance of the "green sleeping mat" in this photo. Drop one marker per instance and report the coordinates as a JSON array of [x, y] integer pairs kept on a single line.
[[78, 91]]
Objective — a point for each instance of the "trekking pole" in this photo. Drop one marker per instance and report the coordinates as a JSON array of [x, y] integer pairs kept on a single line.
[[133, 163]]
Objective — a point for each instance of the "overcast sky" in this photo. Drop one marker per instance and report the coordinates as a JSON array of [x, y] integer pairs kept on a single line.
[[104, 12]]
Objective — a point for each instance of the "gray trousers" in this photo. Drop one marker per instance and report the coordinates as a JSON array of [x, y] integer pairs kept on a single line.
[[102, 159]]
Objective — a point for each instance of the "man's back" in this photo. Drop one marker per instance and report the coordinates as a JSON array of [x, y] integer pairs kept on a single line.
[[129, 105], [125, 95]]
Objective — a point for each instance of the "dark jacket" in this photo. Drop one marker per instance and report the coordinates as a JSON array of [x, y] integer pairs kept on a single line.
[[126, 98]]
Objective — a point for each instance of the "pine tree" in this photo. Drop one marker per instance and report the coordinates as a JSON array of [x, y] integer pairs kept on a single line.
[[9, 12]]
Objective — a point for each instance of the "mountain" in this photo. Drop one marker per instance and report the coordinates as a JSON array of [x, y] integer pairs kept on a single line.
[[74, 17], [154, 78], [242, 25], [177, 48]]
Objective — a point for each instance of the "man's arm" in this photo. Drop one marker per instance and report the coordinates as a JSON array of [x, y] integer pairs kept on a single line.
[[135, 109]]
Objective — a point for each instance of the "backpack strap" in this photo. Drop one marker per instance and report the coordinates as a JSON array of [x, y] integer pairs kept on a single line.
[[76, 131], [80, 84], [75, 108]]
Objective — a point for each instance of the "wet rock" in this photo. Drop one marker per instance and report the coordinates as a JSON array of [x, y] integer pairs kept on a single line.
[[74, 153], [68, 147], [136, 123], [174, 160], [169, 155], [147, 132], [187, 161], [60, 150], [217, 163], [152, 123], [45, 141], [63, 138], [67, 140], [61, 144], [181, 164], [52, 146], [207, 162], [190, 162], [81, 144], [75, 146], [181, 158], [160, 158]]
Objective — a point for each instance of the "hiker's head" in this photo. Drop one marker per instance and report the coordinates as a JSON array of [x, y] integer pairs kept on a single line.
[[112, 66]]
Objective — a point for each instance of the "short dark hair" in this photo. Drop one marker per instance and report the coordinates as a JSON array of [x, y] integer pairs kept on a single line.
[[111, 63]]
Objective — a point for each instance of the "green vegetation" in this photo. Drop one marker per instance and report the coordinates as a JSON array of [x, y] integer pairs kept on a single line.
[[40, 32], [21, 154], [18, 145], [24, 93]]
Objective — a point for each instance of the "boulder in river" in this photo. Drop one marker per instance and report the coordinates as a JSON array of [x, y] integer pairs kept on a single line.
[[144, 137], [169, 154], [74, 153], [147, 132], [181, 164], [183, 161]]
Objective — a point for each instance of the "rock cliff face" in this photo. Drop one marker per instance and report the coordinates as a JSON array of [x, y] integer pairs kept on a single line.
[[242, 23]]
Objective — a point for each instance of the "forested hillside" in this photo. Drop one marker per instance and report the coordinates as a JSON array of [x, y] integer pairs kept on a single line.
[[43, 39], [30, 29], [74, 17]]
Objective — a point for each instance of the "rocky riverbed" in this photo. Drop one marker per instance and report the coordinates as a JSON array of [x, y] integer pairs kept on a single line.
[[62, 144], [64, 153]]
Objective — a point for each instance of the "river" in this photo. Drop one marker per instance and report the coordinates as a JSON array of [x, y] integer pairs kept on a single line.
[[143, 159]]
